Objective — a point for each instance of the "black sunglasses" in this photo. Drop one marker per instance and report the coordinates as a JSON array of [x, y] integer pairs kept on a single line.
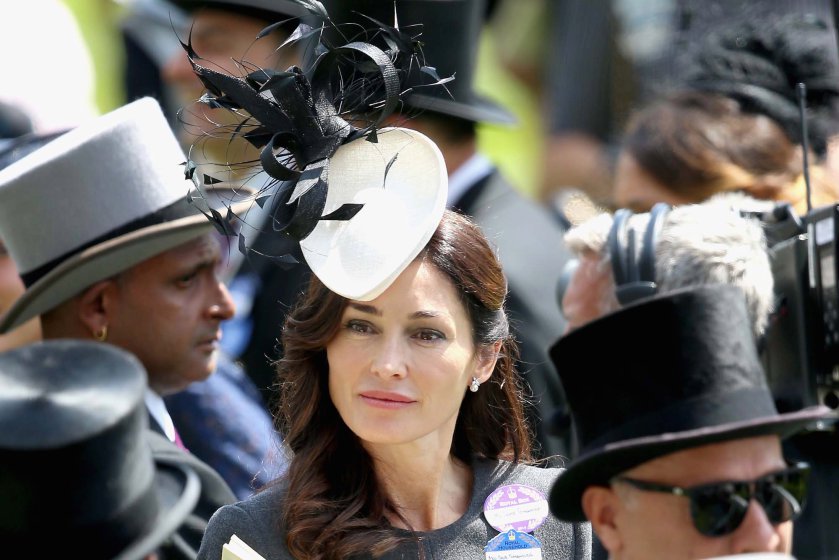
[[719, 508]]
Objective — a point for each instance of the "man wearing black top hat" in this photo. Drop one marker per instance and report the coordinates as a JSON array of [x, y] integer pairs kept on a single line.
[[680, 438], [529, 241]]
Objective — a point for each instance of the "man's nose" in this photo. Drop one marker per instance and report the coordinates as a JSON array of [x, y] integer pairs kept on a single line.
[[178, 70], [222, 307], [757, 534]]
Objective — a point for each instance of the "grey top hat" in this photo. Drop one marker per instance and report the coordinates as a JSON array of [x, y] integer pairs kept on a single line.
[[98, 200], [672, 372], [76, 471]]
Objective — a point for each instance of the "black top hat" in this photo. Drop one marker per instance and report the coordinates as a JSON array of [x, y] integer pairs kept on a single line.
[[672, 372], [268, 10], [449, 31], [76, 471]]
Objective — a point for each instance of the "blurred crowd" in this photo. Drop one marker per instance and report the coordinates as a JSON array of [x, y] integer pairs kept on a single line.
[[639, 230]]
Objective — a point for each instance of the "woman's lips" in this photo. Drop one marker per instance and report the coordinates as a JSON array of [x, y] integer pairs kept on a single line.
[[382, 399]]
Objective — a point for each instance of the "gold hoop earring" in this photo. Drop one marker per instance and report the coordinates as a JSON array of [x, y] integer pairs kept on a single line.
[[101, 334]]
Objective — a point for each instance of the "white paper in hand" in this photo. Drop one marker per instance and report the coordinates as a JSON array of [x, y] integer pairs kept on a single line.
[[237, 549]]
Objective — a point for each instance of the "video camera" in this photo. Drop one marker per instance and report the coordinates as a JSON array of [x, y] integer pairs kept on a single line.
[[800, 351]]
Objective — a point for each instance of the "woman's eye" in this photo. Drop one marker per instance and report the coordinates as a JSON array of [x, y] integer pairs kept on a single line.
[[430, 335], [358, 326]]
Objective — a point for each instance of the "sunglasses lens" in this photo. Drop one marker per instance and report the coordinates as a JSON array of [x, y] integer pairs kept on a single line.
[[719, 509], [782, 496]]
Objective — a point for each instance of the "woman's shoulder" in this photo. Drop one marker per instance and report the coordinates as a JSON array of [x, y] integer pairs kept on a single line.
[[256, 520]]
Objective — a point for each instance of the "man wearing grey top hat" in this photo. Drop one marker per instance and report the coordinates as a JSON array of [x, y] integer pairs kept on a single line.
[[114, 245], [528, 240]]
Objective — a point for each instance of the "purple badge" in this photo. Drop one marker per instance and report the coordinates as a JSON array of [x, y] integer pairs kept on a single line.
[[516, 506]]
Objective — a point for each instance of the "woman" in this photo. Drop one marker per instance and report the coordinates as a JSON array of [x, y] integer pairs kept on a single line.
[[735, 124], [404, 416], [691, 145]]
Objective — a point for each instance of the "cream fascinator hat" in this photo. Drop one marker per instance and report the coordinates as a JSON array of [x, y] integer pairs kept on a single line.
[[355, 201]]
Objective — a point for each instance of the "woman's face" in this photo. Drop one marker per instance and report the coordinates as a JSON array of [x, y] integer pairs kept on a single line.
[[639, 191], [400, 364]]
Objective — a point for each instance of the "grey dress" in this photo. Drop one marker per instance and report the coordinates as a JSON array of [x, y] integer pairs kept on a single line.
[[257, 522]]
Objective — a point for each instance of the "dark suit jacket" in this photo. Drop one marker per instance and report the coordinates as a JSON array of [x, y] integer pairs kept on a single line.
[[214, 494], [533, 254], [277, 289]]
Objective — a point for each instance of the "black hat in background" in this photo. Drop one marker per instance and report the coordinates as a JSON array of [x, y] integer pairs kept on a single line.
[[268, 10], [449, 31], [669, 373], [76, 470], [760, 62]]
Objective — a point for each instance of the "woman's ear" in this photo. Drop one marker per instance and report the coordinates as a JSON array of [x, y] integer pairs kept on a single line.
[[486, 357]]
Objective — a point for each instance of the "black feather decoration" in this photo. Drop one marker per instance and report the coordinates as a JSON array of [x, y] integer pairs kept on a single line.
[[298, 118]]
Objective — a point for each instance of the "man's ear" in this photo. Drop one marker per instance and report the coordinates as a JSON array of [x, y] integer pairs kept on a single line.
[[600, 504], [486, 357], [96, 305]]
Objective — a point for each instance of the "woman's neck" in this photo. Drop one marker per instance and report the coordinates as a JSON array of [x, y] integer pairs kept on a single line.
[[429, 489]]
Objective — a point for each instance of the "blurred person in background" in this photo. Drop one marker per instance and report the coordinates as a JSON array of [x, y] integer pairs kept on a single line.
[[224, 34], [734, 124], [604, 59], [685, 246], [15, 140]]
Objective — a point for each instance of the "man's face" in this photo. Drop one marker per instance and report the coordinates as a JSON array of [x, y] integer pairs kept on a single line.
[[223, 40], [168, 311], [640, 524]]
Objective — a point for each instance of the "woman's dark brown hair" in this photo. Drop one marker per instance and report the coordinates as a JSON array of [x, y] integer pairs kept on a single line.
[[334, 507], [698, 144]]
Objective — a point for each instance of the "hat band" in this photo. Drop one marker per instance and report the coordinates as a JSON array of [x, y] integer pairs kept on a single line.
[[705, 411], [181, 208]]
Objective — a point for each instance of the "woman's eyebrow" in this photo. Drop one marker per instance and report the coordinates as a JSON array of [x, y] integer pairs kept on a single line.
[[425, 314], [364, 308]]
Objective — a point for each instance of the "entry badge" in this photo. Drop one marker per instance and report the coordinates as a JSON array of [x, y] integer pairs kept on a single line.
[[513, 545], [516, 506]]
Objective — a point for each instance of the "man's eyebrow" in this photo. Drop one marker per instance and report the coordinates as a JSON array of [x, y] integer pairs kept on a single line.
[[364, 308]]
